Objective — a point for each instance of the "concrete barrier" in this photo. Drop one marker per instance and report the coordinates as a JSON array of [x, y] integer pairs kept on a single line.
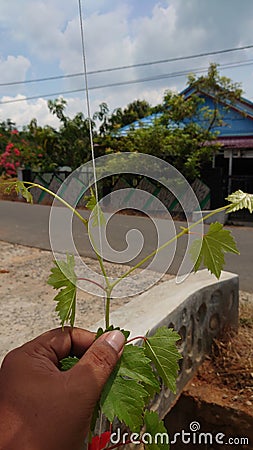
[[200, 309]]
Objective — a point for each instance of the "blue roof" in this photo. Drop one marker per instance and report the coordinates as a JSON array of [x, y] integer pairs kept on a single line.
[[237, 118], [145, 122]]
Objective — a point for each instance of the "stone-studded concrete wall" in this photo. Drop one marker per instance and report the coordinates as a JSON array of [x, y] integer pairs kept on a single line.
[[200, 309]]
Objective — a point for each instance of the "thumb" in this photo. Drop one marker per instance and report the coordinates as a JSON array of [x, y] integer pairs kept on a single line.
[[96, 365]]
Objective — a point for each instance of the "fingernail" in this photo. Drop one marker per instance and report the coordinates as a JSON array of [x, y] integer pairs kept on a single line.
[[115, 339]]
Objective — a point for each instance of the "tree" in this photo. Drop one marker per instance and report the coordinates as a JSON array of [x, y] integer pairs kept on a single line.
[[184, 132], [103, 117], [47, 138], [134, 111], [73, 135]]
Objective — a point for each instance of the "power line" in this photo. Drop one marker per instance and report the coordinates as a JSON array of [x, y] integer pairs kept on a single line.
[[129, 82], [131, 66]]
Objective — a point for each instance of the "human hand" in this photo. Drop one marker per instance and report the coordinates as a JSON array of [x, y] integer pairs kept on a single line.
[[42, 408]]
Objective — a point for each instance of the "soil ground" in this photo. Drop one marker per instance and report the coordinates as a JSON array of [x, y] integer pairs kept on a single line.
[[226, 376], [219, 399]]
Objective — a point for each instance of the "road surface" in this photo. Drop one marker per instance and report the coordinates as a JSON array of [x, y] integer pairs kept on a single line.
[[28, 224]]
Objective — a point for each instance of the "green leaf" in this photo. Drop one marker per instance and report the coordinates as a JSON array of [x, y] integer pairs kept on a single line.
[[211, 249], [63, 276], [68, 363], [20, 188], [161, 349], [98, 218], [240, 200], [135, 365], [125, 393], [195, 253], [125, 399], [66, 302], [91, 200], [157, 435], [100, 331], [8, 187], [64, 271]]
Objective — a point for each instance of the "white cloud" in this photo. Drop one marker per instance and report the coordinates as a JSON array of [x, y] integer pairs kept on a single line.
[[38, 25], [46, 35], [14, 68], [106, 41], [25, 111]]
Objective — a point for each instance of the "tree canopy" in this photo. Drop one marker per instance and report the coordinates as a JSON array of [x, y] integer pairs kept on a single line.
[[184, 131], [176, 135]]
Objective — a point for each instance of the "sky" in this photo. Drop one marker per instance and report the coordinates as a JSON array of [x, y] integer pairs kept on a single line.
[[42, 39]]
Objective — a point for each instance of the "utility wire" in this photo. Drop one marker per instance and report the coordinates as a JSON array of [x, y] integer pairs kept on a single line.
[[131, 66], [100, 255], [129, 82], [88, 101]]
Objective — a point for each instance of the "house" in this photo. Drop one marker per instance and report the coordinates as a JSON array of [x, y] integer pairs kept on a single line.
[[236, 139], [232, 167]]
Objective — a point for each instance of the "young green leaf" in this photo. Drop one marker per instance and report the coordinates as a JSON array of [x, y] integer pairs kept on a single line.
[[211, 249], [123, 398], [162, 351], [22, 189], [97, 215], [91, 200], [156, 436], [63, 276], [125, 393], [135, 365], [68, 363], [240, 200], [8, 186], [66, 302], [100, 331]]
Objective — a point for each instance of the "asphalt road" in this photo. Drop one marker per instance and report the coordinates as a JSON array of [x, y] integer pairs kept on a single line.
[[27, 224]]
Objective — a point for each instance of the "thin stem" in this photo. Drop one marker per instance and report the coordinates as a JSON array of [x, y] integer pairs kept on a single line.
[[89, 438], [100, 259], [110, 286], [143, 338], [83, 220], [184, 231], [212, 213], [102, 267], [140, 263], [92, 281], [107, 307]]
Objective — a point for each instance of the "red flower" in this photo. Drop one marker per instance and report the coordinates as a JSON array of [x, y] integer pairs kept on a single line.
[[14, 132], [16, 151], [11, 172], [9, 146], [10, 165]]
